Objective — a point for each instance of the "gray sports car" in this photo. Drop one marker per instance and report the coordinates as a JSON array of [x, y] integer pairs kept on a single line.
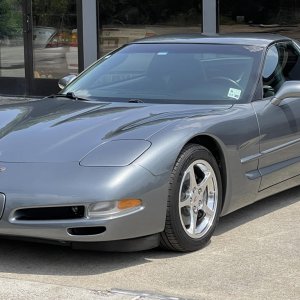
[[153, 143]]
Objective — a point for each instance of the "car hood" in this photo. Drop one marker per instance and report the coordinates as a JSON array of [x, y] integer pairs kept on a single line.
[[63, 130]]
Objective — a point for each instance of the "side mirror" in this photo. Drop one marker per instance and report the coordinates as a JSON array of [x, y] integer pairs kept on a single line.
[[290, 89], [63, 82]]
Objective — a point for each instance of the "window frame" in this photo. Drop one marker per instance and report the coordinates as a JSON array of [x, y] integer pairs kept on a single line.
[[260, 92]]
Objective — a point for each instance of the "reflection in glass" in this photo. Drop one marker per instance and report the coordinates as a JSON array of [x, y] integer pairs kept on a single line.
[[55, 44], [172, 73], [267, 16], [11, 39], [122, 21], [271, 62]]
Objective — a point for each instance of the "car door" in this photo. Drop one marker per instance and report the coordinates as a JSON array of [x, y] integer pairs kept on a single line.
[[279, 158]]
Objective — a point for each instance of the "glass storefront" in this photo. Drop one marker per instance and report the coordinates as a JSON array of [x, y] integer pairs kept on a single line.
[[43, 40], [122, 21], [11, 39], [54, 33], [267, 16]]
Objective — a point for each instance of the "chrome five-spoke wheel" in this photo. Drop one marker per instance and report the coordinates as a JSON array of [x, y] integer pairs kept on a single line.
[[198, 198], [194, 202]]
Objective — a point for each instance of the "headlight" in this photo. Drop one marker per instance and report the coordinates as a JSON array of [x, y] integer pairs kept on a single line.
[[117, 153], [107, 208]]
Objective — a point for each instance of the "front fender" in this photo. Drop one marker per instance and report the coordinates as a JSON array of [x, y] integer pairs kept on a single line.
[[237, 134]]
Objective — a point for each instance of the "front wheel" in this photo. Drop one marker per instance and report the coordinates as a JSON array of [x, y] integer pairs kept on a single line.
[[194, 202]]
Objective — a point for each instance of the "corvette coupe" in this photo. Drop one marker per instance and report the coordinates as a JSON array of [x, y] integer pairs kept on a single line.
[[153, 143]]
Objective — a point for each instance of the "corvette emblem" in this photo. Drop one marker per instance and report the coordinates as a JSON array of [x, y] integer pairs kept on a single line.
[[2, 169]]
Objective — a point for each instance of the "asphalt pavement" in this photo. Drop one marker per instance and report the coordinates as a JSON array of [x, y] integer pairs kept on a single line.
[[254, 254]]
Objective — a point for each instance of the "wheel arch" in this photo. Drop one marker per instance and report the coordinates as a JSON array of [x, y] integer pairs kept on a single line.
[[215, 148]]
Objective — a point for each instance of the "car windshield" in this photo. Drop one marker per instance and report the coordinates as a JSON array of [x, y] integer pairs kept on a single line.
[[172, 73]]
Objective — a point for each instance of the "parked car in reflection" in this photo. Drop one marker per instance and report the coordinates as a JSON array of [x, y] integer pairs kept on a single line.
[[50, 47], [49, 54], [56, 51]]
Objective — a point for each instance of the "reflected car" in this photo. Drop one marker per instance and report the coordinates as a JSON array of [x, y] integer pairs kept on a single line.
[[51, 49], [153, 143], [113, 37]]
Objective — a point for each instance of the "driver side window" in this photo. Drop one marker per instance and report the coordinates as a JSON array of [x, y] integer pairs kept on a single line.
[[282, 64]]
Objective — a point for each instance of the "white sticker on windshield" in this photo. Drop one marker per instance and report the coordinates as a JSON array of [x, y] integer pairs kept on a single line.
[[162, 53], [234, 93]]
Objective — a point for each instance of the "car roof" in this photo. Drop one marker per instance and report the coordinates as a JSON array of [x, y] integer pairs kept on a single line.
[[253, 39]]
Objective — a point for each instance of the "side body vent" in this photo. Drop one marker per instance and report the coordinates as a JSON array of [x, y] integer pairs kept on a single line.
[[2, 204]]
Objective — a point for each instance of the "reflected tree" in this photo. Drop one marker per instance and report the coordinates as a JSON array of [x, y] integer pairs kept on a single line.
[[150, 12], [10, 18], [262, 11], [54, 13]]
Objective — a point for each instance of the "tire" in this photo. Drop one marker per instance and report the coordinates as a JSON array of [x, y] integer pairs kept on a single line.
[[193, 206]]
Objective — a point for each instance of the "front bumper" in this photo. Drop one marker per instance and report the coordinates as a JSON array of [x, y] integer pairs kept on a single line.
[[34, 185]]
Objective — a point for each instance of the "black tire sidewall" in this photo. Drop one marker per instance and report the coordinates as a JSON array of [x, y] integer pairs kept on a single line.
[[186, 158]]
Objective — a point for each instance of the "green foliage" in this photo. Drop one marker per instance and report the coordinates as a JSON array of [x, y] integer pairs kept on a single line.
[[54, 13], [10, 18], [54, 6]]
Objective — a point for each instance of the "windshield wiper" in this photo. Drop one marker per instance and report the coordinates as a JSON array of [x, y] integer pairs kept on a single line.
[[69, 95], [136, 101]]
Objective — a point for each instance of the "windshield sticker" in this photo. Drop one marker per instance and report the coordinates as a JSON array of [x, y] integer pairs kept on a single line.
[[162, 53], [234, 93]]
